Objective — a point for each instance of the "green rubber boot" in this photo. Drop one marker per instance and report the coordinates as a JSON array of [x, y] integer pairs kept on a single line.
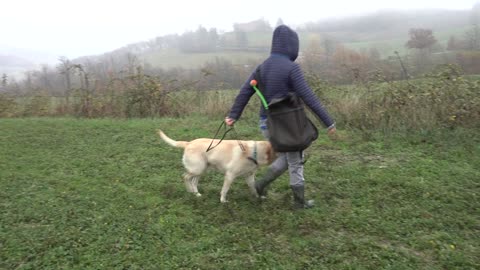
[[262, 184], [299, 201]]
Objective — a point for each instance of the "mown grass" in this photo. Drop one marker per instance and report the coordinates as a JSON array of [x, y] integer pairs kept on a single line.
[[107, 194]]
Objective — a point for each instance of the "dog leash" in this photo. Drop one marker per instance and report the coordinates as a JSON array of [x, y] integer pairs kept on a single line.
[[223, 124]]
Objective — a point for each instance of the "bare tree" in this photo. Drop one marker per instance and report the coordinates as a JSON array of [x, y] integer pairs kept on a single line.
[[84, 89], [45, 78], [475, 14], [329, 46], [313, 55], [28, 81], [452, 44], [4, 81], [241, 39], [65, 68], [132, 64], [472, 36], [374, 54]]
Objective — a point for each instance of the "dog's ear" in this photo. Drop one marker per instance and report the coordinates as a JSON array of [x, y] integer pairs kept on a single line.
[[270, 153]]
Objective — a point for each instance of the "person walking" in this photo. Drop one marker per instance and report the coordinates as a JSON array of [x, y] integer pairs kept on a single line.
[[280, 76]]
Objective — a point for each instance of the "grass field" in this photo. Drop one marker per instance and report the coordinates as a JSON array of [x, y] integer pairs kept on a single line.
[[107, 194], [176, 59]]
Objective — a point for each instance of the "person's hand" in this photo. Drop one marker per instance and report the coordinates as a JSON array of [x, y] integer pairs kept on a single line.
[[229, 121], [332, 133]]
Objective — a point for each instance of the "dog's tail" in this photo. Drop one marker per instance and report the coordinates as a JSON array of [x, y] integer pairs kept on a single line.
[[181, 144]]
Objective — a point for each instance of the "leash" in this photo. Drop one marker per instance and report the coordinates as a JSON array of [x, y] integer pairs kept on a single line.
[[239, 143], [223, 124], [253, 83]]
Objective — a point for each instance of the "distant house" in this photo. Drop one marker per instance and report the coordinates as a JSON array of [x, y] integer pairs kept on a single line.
[[259, 25]]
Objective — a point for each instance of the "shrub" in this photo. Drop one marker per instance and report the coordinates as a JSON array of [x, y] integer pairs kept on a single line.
[[38, 105], [8, 106], [469, 61], [443, 98]]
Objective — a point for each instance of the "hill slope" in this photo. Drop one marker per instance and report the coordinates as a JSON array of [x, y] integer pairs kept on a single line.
[[386, 31]]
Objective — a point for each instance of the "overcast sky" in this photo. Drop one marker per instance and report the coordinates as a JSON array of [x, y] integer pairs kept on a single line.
[[84, 27]]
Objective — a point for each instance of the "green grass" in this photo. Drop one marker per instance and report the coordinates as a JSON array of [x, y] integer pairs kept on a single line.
[[108, 194], [473, 77], [386, 48]]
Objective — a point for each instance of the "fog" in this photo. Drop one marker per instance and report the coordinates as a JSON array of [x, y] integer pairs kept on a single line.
[[78, 28]]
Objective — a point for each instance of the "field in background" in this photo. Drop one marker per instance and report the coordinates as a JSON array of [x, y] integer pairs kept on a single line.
[[174, 58], [104, 194]]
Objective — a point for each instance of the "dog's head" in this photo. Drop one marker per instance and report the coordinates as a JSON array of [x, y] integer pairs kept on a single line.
[[270, 154]]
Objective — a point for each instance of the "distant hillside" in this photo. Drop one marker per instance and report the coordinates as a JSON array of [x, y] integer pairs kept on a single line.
[[15, 62], [14, 65], [386, 30], [389, 24]]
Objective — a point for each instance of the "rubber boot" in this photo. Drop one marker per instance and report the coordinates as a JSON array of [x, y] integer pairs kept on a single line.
[[262, 184], [299, 201]]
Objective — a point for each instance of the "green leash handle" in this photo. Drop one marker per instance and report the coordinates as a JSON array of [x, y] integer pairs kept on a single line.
[[253, 83]]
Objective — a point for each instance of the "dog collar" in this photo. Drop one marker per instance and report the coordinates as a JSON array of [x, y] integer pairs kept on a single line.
[[253, 158]]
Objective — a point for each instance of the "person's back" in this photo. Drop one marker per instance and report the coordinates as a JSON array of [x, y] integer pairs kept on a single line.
[[276, 69], [274, 78], [281, 75]]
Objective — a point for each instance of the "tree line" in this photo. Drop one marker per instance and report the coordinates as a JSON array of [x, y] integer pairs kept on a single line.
[[322, 56]]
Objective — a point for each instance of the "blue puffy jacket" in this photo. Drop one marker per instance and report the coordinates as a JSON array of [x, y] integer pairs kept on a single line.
[[279, 76]]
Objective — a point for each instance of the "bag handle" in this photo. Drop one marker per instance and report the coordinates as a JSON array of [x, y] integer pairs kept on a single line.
[[254, 84]]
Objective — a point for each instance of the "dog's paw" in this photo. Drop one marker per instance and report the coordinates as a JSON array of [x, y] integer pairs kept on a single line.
[[198, 194], [222, 200]]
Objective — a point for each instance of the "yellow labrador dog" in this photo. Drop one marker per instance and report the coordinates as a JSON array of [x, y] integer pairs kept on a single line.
[[234, 158]]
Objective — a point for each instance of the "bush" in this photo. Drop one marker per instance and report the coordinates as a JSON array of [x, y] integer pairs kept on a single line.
[[37, 106], [443, 98], [8, 106], [469, 61]]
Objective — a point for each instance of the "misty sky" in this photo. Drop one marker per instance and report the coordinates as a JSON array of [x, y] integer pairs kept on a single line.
[[84, 27]]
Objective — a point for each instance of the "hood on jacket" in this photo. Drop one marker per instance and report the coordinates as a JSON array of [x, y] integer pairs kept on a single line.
[[285, 41]]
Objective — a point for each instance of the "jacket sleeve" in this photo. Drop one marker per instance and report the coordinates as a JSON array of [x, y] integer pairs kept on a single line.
[[302, 89], [242, 99]]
